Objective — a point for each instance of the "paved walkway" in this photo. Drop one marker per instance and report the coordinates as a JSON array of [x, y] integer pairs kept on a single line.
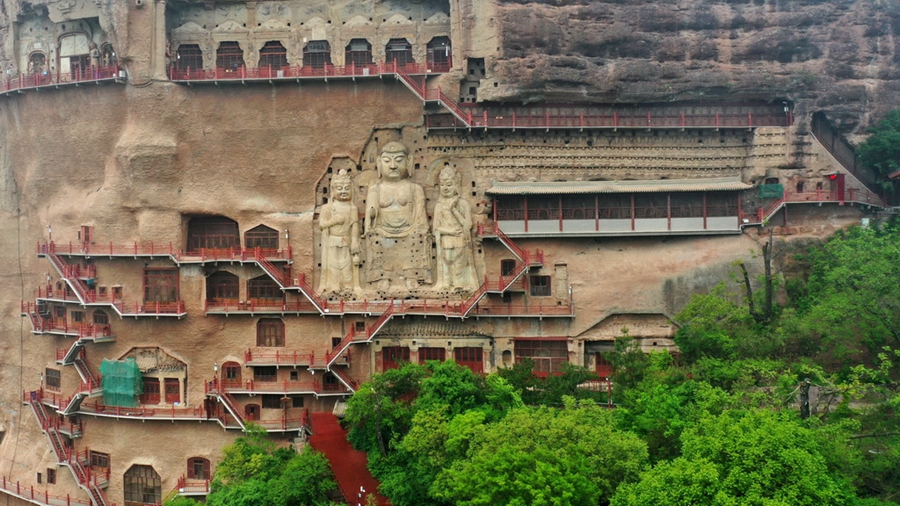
[[348, 465]]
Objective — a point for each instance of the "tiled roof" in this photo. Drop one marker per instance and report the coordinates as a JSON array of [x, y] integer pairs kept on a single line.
[[428, 328], [655, 186]]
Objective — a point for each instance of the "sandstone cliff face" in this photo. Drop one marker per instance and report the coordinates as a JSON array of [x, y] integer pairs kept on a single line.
[[838, 56], [136, 160]]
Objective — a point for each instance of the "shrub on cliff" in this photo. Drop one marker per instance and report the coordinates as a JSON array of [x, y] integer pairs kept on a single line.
[[881, 151]]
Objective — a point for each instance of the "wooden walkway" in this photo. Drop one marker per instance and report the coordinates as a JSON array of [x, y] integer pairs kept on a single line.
[[348, 465]]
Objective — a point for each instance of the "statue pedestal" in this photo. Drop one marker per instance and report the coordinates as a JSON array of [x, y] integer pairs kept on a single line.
[[401, 262]]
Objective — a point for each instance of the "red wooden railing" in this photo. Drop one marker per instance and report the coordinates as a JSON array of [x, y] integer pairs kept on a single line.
[[170, 412], [252, 358], [280, 387], [155, 250], [28, 493], [298, 71], [253, 306], [26, 81], [352, 336], [193, 486], [851, 195]]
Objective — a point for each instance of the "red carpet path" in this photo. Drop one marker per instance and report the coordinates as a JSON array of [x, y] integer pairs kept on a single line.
[[348, 465]]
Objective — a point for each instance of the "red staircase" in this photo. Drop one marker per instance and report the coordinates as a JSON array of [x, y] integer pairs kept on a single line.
[[72, 276], [353, 337], [88, 481], [278, 276], [214, 388], [434, 96], [349, 466]]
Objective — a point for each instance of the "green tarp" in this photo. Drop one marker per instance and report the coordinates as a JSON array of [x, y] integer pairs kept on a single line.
[[771, 191], [122, 382]]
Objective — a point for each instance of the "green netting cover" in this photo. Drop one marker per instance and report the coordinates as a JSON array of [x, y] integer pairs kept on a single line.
[[122, 382], [771, 191]]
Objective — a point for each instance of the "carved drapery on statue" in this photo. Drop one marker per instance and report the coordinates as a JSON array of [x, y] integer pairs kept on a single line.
[[398, 242], [339, 223], [452, 228]]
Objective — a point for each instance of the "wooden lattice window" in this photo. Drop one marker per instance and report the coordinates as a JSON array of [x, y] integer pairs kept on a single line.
[[651, 205], [261, 237], [603, 367], [721, 204], [160, 285], [614, 206], [540, 286], [358, 52], [99, 460], [264, 289], [231, 374], [229, 56], [100, 317], [317, 53], [393, 356], [548, 355], [510, 208], [330, 383], [578, 207], [52, 379], [86, 234], [507, 266], [151, 391], [173, 390], [471, 357], [51, 476], [265, 374], [440, 57], [270, 332], [273, 55], [198, 468], [399, 50], [271, 402], [222, 286], [686, 205], [189, 57], [213, 232], [543, 208], [142, 486], [426, 354]]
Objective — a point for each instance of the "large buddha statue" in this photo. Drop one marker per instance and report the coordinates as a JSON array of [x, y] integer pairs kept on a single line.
[[398, 243], [339, 223]]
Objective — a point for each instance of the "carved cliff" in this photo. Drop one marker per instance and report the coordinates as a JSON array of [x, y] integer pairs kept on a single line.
[[838, 56]]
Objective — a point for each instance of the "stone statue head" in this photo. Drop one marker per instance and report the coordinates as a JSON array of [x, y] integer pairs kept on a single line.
[[342, 186], [394, 163], [449, 181]]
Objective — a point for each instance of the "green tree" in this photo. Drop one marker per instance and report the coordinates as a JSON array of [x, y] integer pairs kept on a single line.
[[256, 472], [881, 151], [380, 413], [659, 412], [755, 457], [544, 456], [853, 299]]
